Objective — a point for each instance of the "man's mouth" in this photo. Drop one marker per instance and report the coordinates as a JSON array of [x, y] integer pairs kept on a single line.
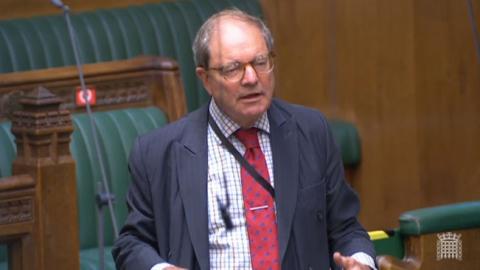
[[252, 96]]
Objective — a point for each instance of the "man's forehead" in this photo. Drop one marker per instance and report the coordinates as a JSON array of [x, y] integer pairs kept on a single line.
[[232, 30]]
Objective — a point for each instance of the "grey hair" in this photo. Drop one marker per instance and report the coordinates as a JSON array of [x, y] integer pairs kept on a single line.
[[200, 46]]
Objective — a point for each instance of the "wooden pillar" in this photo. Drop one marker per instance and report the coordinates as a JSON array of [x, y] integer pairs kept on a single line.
[[42, 133]]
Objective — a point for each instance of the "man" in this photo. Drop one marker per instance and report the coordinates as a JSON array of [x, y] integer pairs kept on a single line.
[[192, 205]]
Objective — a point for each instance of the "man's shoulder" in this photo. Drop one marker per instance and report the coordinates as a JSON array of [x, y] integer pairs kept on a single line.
[[175, 131], [304, 116]]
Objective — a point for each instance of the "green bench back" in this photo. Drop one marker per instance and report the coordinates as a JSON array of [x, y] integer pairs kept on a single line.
[[7, 149], [165, 29], [116, 132], [348, 140]]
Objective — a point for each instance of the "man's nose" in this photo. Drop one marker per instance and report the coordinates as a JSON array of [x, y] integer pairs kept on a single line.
[[250, 75]]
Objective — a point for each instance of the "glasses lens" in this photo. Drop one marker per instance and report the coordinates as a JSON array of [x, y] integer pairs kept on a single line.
[[236, 71], [263, 64]]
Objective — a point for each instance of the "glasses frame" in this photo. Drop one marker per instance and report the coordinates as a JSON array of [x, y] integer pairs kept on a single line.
[[243, 66]]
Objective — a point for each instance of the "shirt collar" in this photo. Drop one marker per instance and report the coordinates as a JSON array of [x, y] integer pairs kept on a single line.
[[228, 126]]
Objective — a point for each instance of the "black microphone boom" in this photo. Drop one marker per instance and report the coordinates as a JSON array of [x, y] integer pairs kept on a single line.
[[476, 38], [57, 3], [103, 195]]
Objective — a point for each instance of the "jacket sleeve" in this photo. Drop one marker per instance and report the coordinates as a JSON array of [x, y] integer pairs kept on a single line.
[[135, 247], [345, 233]]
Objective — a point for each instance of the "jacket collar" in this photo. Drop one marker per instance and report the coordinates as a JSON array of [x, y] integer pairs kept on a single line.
[[192, 167]]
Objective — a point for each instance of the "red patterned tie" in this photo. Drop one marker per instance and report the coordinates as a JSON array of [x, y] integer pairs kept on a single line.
[[259, 207]]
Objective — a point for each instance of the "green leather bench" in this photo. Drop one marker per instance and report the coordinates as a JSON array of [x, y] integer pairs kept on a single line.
[[416, 243], [116, 132], [347, 137], [165, 29]]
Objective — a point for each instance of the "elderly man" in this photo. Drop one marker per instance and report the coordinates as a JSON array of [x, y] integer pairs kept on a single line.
[[246, 181]]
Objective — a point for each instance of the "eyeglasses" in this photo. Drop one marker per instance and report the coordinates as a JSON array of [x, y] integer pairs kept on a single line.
[[235, 71]]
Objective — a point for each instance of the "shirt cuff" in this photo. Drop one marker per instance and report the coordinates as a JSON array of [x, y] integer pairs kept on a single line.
[[162, 266], [365, 259]]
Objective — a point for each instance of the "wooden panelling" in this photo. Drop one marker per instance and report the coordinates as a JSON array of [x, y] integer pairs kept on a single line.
[[404, 71], [28, 8], [448, 98]]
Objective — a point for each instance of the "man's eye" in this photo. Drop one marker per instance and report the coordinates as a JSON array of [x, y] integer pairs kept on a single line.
[[232, 68], [260, 61]]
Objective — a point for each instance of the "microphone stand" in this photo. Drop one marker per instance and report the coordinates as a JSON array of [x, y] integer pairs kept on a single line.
[[103, 196], [471, 16]]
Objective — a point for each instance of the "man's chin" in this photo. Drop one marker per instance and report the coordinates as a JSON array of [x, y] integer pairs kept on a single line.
[[254, 114]]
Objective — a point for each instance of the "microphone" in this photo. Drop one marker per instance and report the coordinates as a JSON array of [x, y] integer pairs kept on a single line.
[[58, 3], [476, 38], [227, 220], [103, 197]]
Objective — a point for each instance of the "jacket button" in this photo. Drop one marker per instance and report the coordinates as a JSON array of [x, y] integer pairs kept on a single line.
[[319, 215]]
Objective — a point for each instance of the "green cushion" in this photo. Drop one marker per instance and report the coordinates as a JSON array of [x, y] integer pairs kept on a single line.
[[89, 259], [448, 217], [9, 149], [116, 132], [348, 140], [165, 29], [393, 245]]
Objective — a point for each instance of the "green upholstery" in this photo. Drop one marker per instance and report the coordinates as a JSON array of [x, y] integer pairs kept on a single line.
[[165, 29], [116, 132], [7, 155], [348, 140], [444, 218], [441, 218], [89, 259], [392, 245], [8, 149]]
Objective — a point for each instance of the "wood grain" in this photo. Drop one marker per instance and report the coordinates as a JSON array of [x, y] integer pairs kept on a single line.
[[405, 72]]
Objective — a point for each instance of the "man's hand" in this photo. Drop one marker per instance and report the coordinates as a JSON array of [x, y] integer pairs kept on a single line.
[[174, 268], [348, 263]]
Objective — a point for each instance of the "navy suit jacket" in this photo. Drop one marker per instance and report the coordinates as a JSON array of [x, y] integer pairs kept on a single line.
[[316, 209]]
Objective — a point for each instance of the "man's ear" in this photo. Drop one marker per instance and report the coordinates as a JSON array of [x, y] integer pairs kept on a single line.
[[203, 76]]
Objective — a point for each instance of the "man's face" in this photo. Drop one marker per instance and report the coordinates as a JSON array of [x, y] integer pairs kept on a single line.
[[235, 43]]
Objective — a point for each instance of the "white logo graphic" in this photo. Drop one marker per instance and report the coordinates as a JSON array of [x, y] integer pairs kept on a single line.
[[449, 246], [89, 96]]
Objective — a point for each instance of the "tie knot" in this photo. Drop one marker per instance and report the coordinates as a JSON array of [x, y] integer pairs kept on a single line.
[[248, 137]]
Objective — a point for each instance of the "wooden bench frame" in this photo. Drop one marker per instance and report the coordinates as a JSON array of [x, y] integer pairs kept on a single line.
[[137, 82], [38, 204]]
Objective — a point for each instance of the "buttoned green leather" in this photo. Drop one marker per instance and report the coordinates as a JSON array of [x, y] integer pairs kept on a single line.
[[165, 29]]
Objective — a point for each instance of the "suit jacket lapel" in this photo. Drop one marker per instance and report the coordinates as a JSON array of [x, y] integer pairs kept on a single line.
[[285, 166], [192, 162]]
